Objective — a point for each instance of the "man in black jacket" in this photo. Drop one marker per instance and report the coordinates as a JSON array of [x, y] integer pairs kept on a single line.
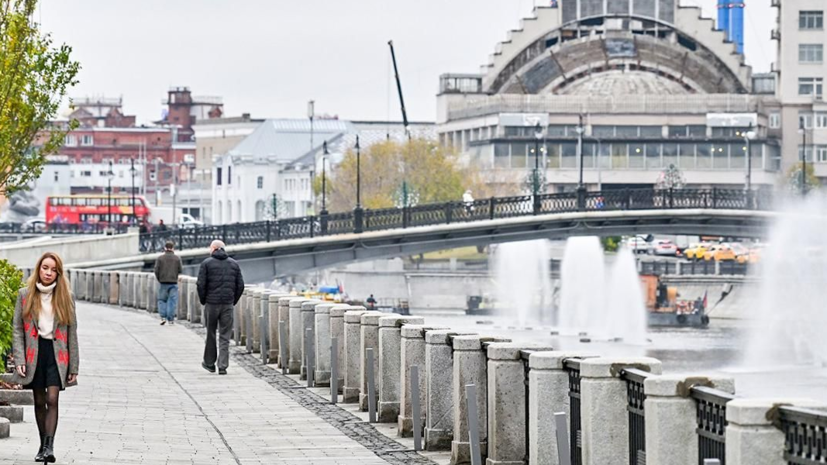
[[220, 285]]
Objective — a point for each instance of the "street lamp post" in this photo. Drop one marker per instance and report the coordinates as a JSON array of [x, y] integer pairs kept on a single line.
[[803, 131], [748, 136], [581, 188], [132, 172], [538, 134], [109, 176], [323, 213], [358, 212]]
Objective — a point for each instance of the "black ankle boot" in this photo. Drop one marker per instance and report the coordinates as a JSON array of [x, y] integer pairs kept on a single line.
[[39, 456], [49, 449]]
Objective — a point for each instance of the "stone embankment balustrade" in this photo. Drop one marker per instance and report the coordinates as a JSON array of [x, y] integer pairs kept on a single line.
[[619, 410]]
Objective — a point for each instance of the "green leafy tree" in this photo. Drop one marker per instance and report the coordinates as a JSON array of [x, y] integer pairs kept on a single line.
[[11, 280], [34, 78], [793, 178], [428, 171]]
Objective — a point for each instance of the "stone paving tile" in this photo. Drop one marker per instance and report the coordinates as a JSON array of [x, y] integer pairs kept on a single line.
[[143, 398]]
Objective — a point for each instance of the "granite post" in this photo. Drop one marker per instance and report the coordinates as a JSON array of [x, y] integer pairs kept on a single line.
[[439, 382], [603, 415], [114, 288], [752, 437], [255, 319], [183, 297], [337, 330], [352, 362], [470, 367], [323, 343], [308, 321], [284, 315], [507, 396], [548, 394], [369, 339], [295, 336], [412, 354], [389, 376], [671, 416]]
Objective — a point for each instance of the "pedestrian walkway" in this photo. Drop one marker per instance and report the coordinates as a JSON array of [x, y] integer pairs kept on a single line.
[[143, 398]]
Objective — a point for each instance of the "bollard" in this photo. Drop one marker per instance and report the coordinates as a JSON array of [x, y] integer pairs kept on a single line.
[[273, 326], [114, 288], [473, 427], [183, 300], [283, 342], [371, 386], [334, 370], [322, 343], [308, 357], [255, 319], [712, 462], [415, 409], [248, 320], [562, 430]]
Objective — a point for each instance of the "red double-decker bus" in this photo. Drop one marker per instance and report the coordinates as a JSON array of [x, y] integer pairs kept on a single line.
[[94, 209]]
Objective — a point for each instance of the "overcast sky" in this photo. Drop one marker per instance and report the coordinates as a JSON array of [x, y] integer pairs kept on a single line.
[[269, 57]]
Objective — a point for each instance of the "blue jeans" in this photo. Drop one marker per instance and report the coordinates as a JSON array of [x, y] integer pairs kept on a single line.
[[167, 301]]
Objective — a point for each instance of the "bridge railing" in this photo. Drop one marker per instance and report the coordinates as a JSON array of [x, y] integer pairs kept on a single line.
[[805, 433], [457, 212], [712, 422], [60, 228]]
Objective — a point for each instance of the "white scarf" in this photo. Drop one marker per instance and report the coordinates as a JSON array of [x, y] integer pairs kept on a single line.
[[46, 321]]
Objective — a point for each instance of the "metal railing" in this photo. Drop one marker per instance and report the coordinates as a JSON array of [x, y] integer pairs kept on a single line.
[[456, 212], [712, 423], [694, 268], [59, 228], [805, 434], [572, 367], [635, 398]]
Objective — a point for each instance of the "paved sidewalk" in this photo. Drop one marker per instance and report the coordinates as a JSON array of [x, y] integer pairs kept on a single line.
[[143, 398]]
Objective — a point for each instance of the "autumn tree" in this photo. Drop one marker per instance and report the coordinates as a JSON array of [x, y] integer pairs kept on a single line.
[[793, 178], [34, 78], [430, 173]]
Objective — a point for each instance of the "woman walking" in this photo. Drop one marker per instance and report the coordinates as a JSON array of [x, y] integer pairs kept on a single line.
[[45, 337]]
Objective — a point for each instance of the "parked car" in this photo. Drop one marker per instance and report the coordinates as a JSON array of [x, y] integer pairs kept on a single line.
[[639, 244], [696, 251], [664, 247], [720, 253], [34, 225]]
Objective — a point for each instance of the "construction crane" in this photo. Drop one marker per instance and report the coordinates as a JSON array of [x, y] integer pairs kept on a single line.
[[399, 90], [404, 194]]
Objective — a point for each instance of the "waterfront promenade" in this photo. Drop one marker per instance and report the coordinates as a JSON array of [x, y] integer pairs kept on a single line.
[[143, 398]]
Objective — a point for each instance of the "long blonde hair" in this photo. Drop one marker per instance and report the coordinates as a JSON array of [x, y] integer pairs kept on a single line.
[[61, 296]]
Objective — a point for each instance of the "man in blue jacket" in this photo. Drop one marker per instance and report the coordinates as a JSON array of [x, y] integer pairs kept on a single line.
[[219, 285]]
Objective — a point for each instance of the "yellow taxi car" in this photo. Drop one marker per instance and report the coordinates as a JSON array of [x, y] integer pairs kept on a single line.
[[752, 256], [719, 253], [696, 251]]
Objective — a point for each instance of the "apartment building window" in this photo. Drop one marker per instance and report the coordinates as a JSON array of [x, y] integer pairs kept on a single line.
[[810, 53], [260, 182], [87, 140], [218, 176], [775, 120], [229, 175], [813, 19], [821, 120], [86, 160], [805, 120], [70, 141], [811, 86], [57, 176], [86, 174], [821, 153]]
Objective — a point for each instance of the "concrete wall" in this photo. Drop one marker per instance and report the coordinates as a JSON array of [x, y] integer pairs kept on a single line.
[[72, 249]]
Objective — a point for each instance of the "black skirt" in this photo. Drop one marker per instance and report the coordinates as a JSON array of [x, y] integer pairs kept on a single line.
[[46, 373]]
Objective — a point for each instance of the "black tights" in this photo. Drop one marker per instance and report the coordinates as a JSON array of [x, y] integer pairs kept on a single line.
[[46, 410]]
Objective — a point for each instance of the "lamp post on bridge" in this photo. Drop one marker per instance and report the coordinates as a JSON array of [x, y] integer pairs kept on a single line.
[[803, 131], [538, 134], [358, 219], [323, 213], [748, 136], [109, 176], [581, 188]]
